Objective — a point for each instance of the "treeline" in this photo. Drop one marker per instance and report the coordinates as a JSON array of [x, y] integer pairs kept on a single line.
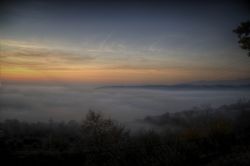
[[198, 137], [235, 115]]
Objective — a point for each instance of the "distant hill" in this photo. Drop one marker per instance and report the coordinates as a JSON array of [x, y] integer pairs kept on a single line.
[[223, 82], [197, 85]]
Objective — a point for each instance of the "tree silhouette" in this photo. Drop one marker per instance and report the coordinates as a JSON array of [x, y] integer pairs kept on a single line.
[[99, 131], [243, 32]]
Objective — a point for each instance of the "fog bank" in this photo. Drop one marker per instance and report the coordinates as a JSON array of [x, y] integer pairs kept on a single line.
[[44, 102]]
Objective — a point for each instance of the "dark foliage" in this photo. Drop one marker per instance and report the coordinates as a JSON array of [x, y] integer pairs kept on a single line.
[[205, 136], [243, 32]]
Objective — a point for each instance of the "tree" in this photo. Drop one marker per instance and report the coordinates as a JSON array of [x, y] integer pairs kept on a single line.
[[243, 32], [100, 131]]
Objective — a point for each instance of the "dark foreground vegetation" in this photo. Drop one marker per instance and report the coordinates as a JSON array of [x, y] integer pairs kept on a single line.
[[204, 137]]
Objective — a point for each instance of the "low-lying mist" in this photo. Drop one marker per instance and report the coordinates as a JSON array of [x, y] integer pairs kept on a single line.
[[67, 102]]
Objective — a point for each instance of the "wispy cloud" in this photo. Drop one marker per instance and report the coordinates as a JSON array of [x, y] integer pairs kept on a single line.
[[33, 56], [108, 37], [153, 46], [21, 44]]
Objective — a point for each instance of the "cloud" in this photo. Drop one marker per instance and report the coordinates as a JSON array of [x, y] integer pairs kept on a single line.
[[112, 62], [41, 58]]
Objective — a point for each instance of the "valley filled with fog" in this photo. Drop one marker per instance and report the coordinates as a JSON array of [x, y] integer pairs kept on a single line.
[[63, 103]]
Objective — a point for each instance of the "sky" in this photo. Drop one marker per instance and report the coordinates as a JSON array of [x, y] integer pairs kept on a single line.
[[121, 42]]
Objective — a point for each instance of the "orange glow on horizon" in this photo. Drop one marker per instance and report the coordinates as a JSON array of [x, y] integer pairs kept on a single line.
[[24, 62], [105, 75]]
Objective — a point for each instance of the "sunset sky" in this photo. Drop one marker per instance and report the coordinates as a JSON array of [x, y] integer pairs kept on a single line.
[[121, 42]]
